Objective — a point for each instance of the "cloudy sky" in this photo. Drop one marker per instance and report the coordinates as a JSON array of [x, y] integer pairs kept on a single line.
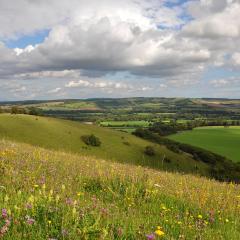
[[106, 48]]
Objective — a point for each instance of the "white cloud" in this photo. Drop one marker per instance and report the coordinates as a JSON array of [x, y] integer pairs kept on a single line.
[[93, 40], [56, 90]]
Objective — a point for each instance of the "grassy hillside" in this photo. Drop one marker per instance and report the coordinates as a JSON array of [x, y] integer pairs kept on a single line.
[[224, 141], [116, 146], [54, 195]]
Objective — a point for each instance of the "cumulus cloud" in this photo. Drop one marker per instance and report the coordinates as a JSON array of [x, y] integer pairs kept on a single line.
[[152, 40]]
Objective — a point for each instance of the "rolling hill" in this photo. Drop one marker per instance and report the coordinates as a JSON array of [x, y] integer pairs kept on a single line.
[[118, 146]]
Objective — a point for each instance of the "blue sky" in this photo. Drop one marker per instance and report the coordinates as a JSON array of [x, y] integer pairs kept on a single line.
[[25, 40]]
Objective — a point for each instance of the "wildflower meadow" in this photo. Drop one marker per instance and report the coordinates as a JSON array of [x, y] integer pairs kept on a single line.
[[55, 195]]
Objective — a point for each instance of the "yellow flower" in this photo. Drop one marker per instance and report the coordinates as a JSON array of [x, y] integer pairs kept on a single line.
[[226, 220], [200, 216], [159, 232], [36, 185], [49, 222]]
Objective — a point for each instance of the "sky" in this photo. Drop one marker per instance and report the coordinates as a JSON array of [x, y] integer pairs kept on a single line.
[[51, 49]]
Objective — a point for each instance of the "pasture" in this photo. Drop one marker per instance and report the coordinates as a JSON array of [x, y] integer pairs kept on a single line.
[[117, 146], [222, 140]]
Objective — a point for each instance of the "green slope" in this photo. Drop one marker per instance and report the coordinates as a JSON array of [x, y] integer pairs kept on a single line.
[[220, 140], [66, 135]]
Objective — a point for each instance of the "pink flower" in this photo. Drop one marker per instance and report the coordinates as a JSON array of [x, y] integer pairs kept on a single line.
[[4, 228], [150, 236], [30, 221], [4, 213]]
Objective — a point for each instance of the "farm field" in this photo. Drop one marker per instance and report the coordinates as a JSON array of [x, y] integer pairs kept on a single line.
[[221, 140], [55, 195], [118, 146], [125, 123]]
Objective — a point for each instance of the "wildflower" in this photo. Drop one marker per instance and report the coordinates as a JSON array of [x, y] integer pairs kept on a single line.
[[4, 213], [150, 236], [159, 232], [36, 185], [63, 187], [179, 222], [227, 220], [30, 221], [200, 216], [4, 228], [69, 201], [49, 222]]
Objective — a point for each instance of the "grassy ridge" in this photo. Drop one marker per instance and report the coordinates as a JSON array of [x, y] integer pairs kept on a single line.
[[116, 146], [220, 140], [54, 195]]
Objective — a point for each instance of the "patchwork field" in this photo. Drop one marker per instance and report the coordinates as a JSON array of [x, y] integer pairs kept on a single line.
[[222, 140], [54, 195]]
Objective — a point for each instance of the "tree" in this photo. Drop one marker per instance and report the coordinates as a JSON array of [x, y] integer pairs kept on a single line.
[[14, 110], [150, 151], [91, 140]]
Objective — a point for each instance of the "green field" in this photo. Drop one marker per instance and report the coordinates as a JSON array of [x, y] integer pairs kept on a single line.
[[224, 141], [118, 146], [125, 123]]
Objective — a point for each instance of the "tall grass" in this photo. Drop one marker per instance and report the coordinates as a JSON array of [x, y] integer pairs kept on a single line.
[[54, 195]]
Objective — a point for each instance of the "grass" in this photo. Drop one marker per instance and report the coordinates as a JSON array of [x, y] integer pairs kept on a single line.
[[118, 146], [124, 124], [224, 141], [54, 195]]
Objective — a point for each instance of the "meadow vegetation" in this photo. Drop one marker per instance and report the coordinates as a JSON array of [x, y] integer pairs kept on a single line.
[[55, 195]]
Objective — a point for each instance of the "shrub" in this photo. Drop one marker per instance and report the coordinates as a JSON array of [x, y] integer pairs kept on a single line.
[[150, 151], [91, 140]]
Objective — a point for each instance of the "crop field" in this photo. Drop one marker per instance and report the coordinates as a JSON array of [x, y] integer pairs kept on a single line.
[[54, 195], [222, 140]]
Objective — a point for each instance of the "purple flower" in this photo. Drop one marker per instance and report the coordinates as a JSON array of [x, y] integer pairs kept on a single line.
[[30, 221], [69, 201], [150, 236], [4, 213]]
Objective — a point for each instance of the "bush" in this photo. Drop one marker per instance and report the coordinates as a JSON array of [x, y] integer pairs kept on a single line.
[[91, 140], [150, 151]]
